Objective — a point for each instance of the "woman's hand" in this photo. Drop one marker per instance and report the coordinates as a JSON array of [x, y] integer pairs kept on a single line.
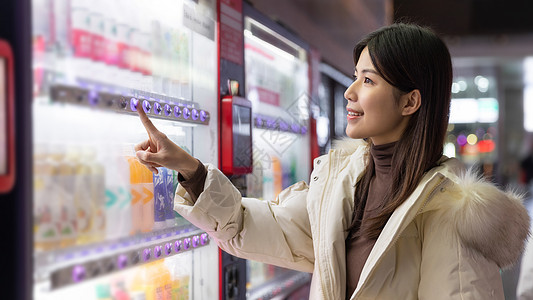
[[159, 151]]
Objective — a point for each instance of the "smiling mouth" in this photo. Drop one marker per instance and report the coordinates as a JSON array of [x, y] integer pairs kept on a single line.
[[354, 114]]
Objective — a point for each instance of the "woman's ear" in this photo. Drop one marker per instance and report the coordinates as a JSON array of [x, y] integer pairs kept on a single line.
[[411, 102]]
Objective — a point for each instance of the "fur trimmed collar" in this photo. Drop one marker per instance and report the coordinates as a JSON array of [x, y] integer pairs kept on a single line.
[[487, 220]]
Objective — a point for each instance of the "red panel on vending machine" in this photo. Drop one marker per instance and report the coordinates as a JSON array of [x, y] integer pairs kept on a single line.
[[236, 135], [7, 119]]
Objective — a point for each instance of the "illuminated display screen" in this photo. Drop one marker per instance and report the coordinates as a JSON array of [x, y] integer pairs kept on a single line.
[[471, 110], [242, 134], [3, 118]]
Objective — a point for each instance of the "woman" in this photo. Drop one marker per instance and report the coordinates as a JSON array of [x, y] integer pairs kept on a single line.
[[385, 215]]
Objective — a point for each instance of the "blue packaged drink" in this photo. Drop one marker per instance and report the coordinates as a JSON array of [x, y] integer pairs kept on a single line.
[[169, 199], [160, 193]]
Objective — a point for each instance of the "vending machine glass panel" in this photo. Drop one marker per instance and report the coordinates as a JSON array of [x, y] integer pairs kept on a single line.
[[104, 225], [277, 84]]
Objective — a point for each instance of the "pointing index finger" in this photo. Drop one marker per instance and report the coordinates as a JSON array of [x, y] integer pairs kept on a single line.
[[148, 125]]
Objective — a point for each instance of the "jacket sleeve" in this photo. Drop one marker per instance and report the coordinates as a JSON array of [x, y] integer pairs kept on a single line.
[[449, 270], [276, 232]]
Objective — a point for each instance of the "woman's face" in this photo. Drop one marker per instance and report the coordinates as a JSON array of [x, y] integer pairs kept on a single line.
[[373, 111]]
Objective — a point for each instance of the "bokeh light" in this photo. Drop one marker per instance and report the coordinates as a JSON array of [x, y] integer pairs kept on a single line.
[[461, 140], [471, 139]]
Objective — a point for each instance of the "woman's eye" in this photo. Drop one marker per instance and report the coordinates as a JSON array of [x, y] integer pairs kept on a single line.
[[366, 79]]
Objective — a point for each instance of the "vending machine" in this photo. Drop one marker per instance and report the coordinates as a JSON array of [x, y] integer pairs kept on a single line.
[[267, 131], [278, 84], [89, 221]]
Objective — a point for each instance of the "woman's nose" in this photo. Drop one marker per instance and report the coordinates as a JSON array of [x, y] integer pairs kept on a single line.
[[349, 94]]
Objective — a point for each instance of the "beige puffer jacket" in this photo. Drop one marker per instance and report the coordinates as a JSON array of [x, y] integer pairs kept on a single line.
[[448, 240]]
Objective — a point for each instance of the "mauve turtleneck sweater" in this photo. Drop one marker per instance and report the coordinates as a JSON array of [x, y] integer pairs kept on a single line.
[[358, 249]]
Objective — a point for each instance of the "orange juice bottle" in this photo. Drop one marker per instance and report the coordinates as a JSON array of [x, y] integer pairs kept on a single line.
[[151, 280], [164, 281], [136, 194], [153, 288], [147, 182]]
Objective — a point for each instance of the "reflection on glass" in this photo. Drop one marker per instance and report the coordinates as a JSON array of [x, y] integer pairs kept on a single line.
[[3, 119]]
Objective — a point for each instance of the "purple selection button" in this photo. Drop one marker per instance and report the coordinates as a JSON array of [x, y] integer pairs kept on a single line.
[[122, 261], [258, 121], [203, 115], [283, 126], [195, 241], [295, 128], [178, 245], [93, 98], [194, 114], [168, 110], [157, 108], [270, 123], [133, 104], [168, 248], [147, 106], [186, 243], [147, 254], [78, 273], [177, 111], [158, 250], [204, 238], [186, 113]]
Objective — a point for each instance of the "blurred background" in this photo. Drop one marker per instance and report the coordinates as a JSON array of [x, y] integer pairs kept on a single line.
[[490, 42]]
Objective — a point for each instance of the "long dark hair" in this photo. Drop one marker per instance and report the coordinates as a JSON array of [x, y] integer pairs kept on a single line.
[[408, 57]]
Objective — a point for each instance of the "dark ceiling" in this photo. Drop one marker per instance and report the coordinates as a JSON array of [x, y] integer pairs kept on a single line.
[[331, 26], [346, 21], [469, 17], [493, 27]]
